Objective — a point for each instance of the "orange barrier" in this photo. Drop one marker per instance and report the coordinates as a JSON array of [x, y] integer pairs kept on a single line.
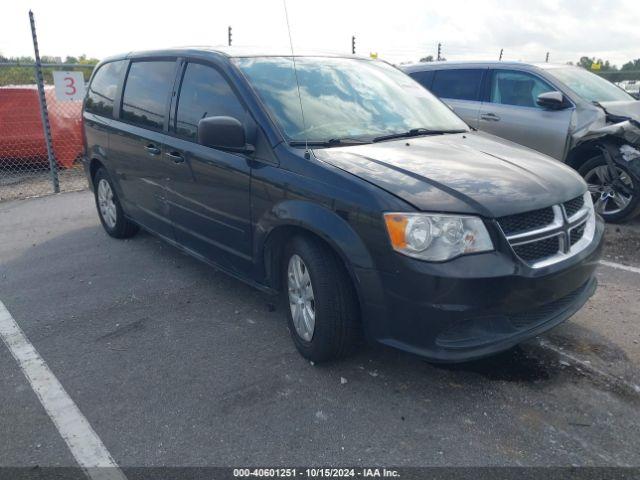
[[21, 132]]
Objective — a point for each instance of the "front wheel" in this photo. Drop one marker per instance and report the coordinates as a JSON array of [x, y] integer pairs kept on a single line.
[[322, 305], [615, 192]]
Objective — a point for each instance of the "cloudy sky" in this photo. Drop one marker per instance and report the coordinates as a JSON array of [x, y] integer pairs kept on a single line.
[[398, 30]]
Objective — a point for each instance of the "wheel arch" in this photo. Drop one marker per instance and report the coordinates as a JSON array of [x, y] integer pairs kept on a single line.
[[94, 164], [582, 153], [295, 217]]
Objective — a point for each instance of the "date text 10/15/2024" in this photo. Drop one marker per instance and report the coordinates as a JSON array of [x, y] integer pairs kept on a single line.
[[316, 472]]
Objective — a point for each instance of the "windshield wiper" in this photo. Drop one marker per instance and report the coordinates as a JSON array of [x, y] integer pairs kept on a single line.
[[415, 132], [332, 142]]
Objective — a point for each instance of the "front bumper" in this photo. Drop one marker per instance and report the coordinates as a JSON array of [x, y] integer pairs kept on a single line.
[[476, 305]]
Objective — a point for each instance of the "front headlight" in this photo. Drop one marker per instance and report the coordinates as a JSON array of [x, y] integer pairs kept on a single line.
[[436, 237]]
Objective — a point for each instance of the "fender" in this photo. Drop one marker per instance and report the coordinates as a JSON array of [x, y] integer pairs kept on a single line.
[[334, 230], [613, 153], [317, 219]]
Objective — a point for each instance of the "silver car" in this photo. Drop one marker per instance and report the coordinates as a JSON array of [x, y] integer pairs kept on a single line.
[[632, 87], [563, 111]]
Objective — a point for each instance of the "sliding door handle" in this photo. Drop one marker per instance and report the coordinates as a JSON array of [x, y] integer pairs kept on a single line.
[[176, 157], [152, 149], [491, 117]]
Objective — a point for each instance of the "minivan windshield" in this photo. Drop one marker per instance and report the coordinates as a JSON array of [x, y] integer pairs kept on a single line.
[[589, 86], [345, 99]]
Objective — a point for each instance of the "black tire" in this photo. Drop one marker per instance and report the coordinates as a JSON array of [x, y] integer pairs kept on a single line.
[[123, 227], [633, 207], [337, 322]]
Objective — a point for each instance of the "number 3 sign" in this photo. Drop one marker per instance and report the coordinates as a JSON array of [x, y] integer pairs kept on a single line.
[[69, 86]]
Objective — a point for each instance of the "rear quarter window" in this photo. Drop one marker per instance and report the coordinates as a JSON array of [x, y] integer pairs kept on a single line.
[[459, 84], [146, 93], [102, 91]]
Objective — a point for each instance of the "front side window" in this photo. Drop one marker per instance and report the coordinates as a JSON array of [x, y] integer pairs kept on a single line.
[[589, 86], [423, 78], [457, 84], [204, 93], [102, 91], [343, 98], [146, 93], [509, 87]]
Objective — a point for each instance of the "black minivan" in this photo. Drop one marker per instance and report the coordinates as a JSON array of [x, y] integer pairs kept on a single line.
[[342, 183]]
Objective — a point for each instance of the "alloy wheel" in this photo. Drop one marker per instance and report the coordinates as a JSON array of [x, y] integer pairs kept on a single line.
[[301, 298], [610, 195], [106, 203]]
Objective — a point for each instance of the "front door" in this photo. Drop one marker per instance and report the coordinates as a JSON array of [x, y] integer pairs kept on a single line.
[[460, 89], [511, 112], [209, 191]]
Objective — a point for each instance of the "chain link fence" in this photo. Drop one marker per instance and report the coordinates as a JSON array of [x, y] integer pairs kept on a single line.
[[25, 169]]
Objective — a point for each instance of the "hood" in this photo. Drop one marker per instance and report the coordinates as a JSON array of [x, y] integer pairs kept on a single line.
[[629, 109], [622, 119], [471, 173]]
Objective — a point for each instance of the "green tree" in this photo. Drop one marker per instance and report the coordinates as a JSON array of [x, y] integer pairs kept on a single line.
[[605, 65], [24, 74], [631, 65]]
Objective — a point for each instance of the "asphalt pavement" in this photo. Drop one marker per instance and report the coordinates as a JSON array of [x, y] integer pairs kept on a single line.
[[175, 364]]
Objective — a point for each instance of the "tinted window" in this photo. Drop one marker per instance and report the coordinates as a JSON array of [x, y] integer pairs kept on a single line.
[[509, 87], [102, 90], [423, 78], [204, 93], [457, 84], [146, 93]]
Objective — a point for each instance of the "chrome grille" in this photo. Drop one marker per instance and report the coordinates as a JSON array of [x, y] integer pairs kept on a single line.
[[523, 222], [535, 251], [548, 235], [577, 233], [573, 206]]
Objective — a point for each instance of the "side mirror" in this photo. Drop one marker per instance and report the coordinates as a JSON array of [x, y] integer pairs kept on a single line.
[[551, 100], [224, 133]]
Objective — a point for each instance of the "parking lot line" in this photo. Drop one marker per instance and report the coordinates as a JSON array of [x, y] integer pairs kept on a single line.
[[619, 266], [82, 440]]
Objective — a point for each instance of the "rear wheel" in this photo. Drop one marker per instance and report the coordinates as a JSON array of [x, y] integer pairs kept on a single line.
[[322, 306], [109, 209], [615, 192]]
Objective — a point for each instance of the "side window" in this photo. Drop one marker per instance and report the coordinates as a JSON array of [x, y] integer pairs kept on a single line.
[[459, 84], [102, 91], [423, 78], [146, 93], [509, 87], [204, 93]]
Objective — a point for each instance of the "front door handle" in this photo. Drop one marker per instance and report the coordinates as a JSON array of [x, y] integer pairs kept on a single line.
[[152, 149], [176, 157], [491, 117]]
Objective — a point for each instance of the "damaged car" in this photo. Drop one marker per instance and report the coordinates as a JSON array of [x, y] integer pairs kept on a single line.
[[347, 188], [563, 111]]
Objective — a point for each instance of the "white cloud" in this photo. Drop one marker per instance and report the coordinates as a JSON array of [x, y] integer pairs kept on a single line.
[[400, 30]]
